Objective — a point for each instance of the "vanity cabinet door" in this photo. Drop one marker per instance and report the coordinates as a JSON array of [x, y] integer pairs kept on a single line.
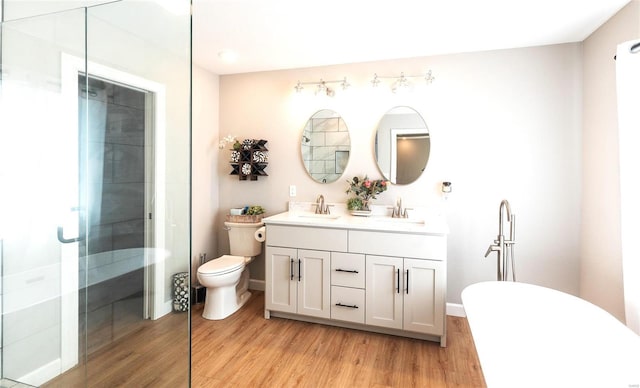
[[280, 286], [424, 283], [313, 283], [383, 291]]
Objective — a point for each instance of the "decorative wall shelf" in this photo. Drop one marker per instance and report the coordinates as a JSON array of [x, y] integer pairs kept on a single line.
[[249, 162]]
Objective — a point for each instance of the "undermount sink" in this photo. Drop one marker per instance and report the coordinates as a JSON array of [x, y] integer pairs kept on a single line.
[[400, 220], [315, 215]]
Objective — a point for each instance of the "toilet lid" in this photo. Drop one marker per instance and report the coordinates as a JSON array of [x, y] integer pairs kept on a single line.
[[221, 265]]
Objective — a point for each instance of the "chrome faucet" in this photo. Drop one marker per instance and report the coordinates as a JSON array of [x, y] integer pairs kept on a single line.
[[321, 208], [503, 247], [398, 211]]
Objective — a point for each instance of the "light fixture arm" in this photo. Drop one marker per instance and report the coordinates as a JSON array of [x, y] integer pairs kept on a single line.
[[402, 79], [322, 85]]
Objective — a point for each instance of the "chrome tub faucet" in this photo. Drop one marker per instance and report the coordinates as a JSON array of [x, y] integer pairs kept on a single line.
[[503, 247]]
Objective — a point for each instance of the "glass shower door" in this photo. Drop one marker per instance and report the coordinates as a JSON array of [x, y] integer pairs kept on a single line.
[[94, 194], [39, 200]]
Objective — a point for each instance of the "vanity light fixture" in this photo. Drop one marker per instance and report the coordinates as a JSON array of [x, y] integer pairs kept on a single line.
[[401, 82], [322, 87], [375, 81]]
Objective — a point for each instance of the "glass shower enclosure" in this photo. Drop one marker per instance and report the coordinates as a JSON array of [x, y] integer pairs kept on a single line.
[[94, 192]]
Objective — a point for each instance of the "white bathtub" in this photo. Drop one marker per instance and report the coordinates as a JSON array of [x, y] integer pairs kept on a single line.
[[531, 336]]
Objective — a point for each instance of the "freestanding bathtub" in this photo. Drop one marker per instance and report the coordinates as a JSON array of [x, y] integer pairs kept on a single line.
[[532, 336]]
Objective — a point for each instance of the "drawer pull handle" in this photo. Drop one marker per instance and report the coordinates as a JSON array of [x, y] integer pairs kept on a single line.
[[299, 270], [346, 270], [291, 268], [398, 280], [351, 306]]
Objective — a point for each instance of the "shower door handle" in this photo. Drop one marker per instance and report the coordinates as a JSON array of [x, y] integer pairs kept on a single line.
[[81, 235]]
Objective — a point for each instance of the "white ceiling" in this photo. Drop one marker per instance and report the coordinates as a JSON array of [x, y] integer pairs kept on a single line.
[[286, 34]]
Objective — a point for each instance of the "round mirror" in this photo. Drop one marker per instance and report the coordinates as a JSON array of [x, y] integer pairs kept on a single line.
[[325, 146], [402, 145]]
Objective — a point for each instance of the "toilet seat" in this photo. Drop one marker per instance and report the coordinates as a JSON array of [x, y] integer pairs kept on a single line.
[[222, 265]]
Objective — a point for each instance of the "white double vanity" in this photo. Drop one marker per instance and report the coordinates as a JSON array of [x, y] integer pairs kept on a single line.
[[376, 273]]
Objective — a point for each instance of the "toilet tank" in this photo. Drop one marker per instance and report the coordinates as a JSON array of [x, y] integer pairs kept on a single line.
[[242, 241]]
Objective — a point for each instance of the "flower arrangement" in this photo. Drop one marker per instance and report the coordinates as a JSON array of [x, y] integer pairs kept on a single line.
[[365, 190], [227, 140]]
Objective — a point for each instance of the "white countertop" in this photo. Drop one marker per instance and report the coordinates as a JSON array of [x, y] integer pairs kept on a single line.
[[378, 222], [531, 336]]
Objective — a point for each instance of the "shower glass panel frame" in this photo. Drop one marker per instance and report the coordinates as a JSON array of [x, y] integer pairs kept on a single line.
[[55, 262]]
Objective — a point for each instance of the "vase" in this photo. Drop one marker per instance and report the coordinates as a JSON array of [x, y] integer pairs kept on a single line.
[[365, 204]]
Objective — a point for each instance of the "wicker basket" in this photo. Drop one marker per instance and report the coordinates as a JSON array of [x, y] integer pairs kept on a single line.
[[246, 219]]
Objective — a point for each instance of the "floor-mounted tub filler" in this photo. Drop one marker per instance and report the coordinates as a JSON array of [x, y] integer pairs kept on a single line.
[[504, 247]]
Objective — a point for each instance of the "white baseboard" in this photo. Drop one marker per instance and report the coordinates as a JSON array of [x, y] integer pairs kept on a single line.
[[456, 310], [42, 374], [255, 284], [165, 308]]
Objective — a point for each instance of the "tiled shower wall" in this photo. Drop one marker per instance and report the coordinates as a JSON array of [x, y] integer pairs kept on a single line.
[[116, 198], [327, 158], [116, 162]]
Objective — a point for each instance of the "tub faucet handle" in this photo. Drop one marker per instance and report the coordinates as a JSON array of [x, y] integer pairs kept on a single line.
[[492, 248]]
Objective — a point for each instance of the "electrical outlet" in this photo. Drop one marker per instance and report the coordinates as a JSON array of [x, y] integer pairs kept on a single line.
[[292, 191]]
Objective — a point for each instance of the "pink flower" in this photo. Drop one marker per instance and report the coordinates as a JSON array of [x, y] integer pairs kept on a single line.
[[383, 183], [367, 184]]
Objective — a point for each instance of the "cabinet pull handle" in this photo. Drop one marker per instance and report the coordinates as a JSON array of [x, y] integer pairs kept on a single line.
[[351, 306], [291, 268], [299, 270], [398, 280], [407, 282], [346, 270]]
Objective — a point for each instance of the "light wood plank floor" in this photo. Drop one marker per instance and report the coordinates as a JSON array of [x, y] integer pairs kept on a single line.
[[248, 350], [156, 355]]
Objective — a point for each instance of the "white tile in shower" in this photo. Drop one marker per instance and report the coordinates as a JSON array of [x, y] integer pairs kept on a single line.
[[336, 138]]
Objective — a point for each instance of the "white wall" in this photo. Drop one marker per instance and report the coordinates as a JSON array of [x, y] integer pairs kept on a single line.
[[601, 261], [503, 124]]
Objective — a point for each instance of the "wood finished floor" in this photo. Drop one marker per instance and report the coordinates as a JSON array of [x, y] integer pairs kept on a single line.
[[156, 355], [248, 350]]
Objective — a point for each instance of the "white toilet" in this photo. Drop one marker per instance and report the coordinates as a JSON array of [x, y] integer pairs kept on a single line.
[[227, 277]]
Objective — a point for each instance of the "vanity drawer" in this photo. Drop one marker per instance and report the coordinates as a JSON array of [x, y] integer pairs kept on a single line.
[[347, 269], [347, 304], [398, 244], [307, 238]]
